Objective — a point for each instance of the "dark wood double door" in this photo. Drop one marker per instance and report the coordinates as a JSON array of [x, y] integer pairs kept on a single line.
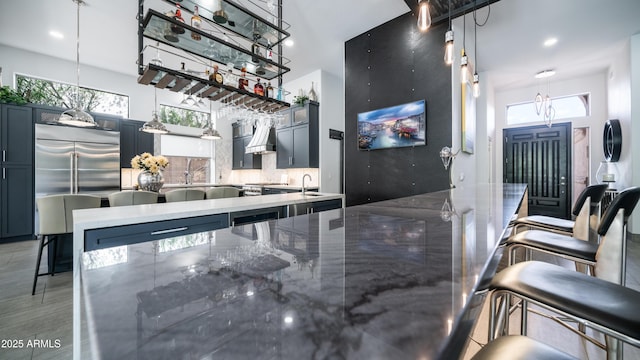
[[541, 157]]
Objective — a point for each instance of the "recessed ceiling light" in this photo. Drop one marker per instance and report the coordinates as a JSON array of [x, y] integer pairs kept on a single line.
[[56, 34], [545, 74], [288, 42], [550, 42]]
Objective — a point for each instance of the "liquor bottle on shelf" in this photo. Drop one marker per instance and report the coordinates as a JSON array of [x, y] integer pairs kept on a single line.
[[269, 90], [255, 52], [258, 88], [269, 51], [178, 16], [216, 76], [243, 82], [196, 22]]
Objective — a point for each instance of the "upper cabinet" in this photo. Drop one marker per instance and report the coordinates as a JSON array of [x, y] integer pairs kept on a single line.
[[297, 137], [242, 134], [133, 141], [250, 50]]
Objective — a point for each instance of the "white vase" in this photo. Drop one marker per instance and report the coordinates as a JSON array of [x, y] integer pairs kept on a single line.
[[312, 93], [149, 181]]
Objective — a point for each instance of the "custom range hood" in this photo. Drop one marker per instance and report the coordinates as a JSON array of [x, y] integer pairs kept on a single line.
[[263, 140]]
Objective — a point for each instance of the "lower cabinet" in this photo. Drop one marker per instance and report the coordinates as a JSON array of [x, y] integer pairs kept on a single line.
[[17, 205], [131, 234], [257, 215]]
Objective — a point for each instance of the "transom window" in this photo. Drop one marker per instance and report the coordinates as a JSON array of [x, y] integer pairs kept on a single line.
[[566, 107], [54, 93], [185, 117]]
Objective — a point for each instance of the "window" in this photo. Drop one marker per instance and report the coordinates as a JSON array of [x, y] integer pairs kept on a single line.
[[185, 117], [565, 107], [54, 93]]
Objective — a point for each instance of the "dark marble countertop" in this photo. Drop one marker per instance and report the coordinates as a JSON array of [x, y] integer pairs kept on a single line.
[[387, 280]]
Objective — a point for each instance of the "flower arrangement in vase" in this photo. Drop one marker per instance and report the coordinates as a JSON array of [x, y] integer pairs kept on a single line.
[[150, 178]]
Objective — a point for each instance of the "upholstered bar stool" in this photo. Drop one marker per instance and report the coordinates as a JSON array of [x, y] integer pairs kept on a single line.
[[606, 307], [587, 204], [612, 246], [132, 197], [222, 192], [515, 347], [184, 195], [56, 218]]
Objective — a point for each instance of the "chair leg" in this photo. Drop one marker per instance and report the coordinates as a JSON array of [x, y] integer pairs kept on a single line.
[[523, 317], [35, 276], [54, 243]]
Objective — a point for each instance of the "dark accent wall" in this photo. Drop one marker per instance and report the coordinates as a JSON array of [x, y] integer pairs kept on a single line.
[[389, 65]]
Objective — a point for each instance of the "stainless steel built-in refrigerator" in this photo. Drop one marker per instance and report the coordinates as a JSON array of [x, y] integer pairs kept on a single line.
[[71, 160]]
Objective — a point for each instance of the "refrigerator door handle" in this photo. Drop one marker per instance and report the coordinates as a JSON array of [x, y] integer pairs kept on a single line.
[[75, 169], [71, 174]]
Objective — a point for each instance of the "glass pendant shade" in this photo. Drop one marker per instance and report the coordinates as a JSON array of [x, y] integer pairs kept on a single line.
[[448, 47], [464, 68], [476, 85], [154, 126], [424, 15]]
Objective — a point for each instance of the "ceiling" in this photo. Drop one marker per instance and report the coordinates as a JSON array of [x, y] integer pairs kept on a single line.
[[509, 46]]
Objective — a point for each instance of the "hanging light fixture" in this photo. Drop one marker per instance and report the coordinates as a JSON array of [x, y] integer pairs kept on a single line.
[[77, 116], [424, 15], [476, 79], [448, 42], [154, 126], [210, 133], [464, 60]]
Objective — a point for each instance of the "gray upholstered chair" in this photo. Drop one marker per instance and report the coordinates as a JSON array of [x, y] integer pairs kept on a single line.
[[222, 192], [184, 195], [132, 197], [56, 218]]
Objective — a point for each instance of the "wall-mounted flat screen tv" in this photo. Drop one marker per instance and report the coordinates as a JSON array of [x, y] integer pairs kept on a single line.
[[395, 126]]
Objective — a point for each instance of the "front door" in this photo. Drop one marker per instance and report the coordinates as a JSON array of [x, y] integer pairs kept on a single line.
[[540, 157]]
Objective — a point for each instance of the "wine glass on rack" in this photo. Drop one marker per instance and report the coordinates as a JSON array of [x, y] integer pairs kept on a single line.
[[157, 60]]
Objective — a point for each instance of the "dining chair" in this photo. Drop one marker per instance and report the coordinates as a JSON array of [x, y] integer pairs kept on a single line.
[[56, 218], [184, 195], [132, 197]]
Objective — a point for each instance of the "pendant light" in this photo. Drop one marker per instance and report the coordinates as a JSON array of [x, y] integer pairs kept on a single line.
[[77, 116], [464, 60], [154, 126], [476, 79], [448, 42], [424, 15], [210, 133]]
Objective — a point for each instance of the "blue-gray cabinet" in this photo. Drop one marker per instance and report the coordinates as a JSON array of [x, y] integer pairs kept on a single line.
[[133, 141], [298, 138], [16, 189], [241, 137]]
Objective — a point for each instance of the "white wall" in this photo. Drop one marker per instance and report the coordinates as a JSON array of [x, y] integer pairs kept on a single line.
[[595, 84], [624, 85]]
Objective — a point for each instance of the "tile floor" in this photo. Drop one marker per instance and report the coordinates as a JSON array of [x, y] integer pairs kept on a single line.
[[48, 315]]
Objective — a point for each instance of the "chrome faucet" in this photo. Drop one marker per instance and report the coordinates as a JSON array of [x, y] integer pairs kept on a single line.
[[304, 189]]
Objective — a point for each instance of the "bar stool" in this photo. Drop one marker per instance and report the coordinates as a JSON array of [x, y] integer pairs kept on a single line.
[[56, 218], [515, 347], [612, 247], [222, 192], [586, 205], [132, 197], [184, 195], [606, 307]]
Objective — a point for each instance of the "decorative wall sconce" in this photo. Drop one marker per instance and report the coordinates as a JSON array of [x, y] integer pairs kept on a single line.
[[447, 156]]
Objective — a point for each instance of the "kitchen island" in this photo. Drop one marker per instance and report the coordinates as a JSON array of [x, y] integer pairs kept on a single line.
[[394, 279]]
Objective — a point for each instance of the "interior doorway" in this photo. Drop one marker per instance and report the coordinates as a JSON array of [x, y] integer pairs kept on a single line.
[[581, 161]]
